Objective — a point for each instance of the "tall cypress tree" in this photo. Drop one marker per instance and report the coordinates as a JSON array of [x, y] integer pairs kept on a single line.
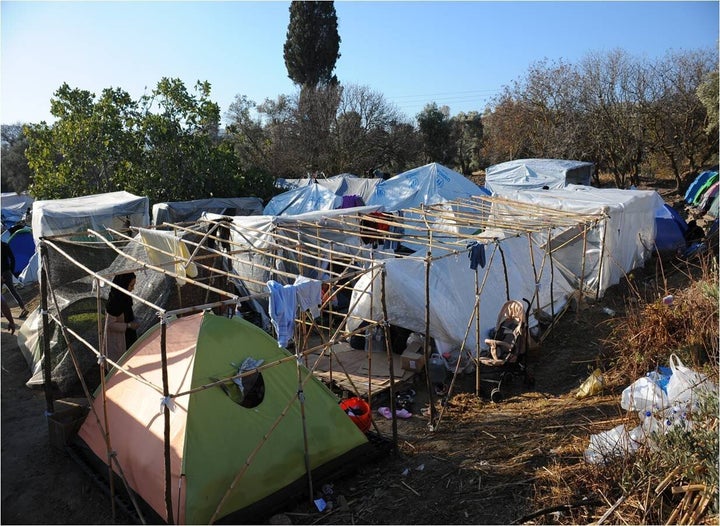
[[312, 46]]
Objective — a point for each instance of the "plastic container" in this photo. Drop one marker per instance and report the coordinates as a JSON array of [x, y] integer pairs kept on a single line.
[[359, 412]]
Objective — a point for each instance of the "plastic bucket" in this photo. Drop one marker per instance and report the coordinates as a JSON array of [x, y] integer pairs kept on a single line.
[[359, 412]]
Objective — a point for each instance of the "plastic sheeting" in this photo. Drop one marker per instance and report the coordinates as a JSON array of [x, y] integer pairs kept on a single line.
[[452, 291], [617, 245], [302, 200], [117, 210], [529, 174], [426, 185], [341, 184], [14, 207], [184, 211]]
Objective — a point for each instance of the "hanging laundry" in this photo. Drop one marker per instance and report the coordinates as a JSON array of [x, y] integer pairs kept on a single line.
[[165, 249], [476, 254], [283, 303], [309, 293]]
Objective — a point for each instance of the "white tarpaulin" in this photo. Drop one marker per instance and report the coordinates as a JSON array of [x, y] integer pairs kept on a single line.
[[301, 200], [618, 245], [182, 211], [259, 250], [528, 174], [117, 210], [452, 291], [426, 185], [341, 184]]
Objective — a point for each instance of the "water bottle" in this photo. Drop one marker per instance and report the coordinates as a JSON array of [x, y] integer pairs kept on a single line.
[[436, 368]]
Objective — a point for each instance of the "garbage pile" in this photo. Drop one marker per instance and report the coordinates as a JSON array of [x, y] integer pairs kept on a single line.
[[664, 399]]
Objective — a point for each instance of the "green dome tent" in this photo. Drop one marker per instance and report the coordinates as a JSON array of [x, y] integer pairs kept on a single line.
[[230, 446]]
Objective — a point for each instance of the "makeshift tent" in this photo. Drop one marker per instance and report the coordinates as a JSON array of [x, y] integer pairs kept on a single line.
[[185, 211], [14, 206], [530, 174], [22, 244], [509, 272], [705, 186], [324, 246], [303, 199], [698, 183], [708, 197], [624, 242], [99, 212], [76, 215], [233, 443], [341, 185], [426, 185], [670, 228]]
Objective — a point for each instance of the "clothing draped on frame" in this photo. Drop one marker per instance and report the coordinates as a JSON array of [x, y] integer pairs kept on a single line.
[[165, 248], [284, 300]]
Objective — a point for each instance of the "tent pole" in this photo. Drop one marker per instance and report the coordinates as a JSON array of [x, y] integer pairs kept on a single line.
[[101, 361], [301, 399], [505, 271], [602, 259], [552, 277], [477, 332], [391, 361], [166, 412], [582, 276], [426, 343], [47, 365], [532, 261]]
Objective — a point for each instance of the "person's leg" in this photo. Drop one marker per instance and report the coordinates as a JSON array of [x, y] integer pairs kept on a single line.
[[7, 279], [8, 314]]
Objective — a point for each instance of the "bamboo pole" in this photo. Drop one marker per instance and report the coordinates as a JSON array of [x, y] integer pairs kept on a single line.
[[391, 362]]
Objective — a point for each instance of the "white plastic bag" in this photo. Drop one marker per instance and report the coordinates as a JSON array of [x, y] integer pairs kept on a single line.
[[615, 442], [686, 384], [643, 395]]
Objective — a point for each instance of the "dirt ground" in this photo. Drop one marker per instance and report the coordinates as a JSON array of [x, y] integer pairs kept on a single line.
[[478, 466]]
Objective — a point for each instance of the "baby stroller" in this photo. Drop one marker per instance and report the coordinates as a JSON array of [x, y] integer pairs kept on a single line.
[[507, 351]]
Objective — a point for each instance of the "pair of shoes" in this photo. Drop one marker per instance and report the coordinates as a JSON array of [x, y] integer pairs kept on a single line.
[[402, 413], [23, 314]]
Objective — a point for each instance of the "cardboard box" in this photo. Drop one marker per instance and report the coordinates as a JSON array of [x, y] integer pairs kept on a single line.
[[412, 361]]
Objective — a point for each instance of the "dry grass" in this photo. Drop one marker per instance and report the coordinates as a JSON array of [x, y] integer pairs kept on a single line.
[[677, 482]]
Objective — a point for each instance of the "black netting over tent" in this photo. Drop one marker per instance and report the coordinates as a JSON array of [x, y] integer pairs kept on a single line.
[[76, 299]]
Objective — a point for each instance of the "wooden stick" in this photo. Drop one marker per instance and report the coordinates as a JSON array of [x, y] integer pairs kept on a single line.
[[664, 483]]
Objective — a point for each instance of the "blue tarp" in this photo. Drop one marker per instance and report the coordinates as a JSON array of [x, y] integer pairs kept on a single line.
[[670, 229]]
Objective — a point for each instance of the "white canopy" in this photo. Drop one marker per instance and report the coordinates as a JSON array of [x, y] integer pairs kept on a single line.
[[426, 185], [116, 210], [341, 184], [622, 243], [452, 291], [528, 174]]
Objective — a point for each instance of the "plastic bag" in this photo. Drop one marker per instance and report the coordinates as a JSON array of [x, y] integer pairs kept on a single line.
[[615, 442], [686, 384], [593, 385], [643, 395]]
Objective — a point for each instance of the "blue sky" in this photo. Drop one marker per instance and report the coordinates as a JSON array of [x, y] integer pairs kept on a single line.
[[458, 54]]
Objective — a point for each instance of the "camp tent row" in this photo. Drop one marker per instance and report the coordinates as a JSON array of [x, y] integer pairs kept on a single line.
[[329, 246], [220, 264]]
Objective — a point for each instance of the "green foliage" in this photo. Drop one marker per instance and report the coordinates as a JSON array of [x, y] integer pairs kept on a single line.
[[165, 146], [312, 46], [436, 130], [15, 172]]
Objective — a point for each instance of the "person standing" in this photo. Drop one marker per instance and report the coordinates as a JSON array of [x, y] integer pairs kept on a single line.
[[8, 268], [120, 324]]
